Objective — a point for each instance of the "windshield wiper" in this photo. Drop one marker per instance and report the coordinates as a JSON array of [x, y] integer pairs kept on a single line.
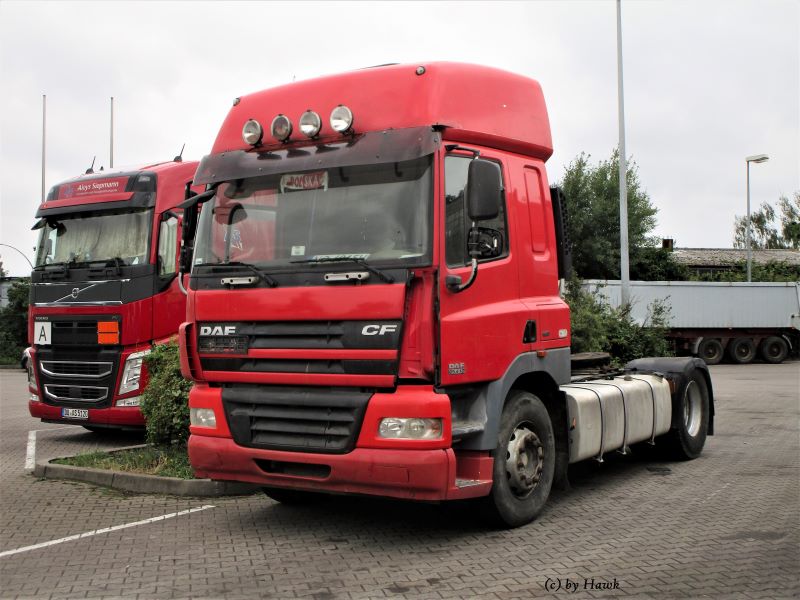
[[347, 259], [261, 274]]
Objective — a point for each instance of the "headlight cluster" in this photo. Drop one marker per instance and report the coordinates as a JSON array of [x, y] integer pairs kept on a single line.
[[410, 428], [132, 372], [202, 417], [341, 121]]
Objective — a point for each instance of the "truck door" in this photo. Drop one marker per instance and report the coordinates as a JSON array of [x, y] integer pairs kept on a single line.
[[481, 328]]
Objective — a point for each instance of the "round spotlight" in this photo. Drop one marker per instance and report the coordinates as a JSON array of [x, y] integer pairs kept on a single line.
[[281, 128], [252, 132], [310, 123], [342, 119]]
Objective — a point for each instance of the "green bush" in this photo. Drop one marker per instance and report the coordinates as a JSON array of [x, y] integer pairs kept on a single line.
[[14, 323], [598, 327], [165, 402]]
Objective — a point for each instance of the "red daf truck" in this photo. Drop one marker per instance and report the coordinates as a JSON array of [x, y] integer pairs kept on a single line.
[[374, 302], [105, 287]]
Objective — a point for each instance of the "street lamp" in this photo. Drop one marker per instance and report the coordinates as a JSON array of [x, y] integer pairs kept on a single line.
[[756, 158]]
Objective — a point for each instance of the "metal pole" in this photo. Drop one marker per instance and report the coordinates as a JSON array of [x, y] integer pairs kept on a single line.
[[20, 251], [625, 287], [748, 243], [44, 130], [111, 160]]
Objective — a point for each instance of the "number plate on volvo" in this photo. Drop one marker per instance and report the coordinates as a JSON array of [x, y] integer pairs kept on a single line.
[[75, 413]]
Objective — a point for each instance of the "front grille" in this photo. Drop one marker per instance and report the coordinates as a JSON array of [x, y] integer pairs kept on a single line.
[[79, 370], [76, 393], [304, 419], [335, 367]]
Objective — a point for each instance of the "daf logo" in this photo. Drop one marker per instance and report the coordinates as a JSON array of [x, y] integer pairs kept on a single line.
[[218, 330], [378, 329], [75, 292]]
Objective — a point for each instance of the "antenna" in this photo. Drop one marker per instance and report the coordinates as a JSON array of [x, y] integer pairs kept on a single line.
[[44, 129], [179, 158], [111, 160], [90, 170]]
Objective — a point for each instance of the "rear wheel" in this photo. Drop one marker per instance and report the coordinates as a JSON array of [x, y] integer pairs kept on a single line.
[[742, 350], [524, 462], [774, 350], [690, 410], [710, 350]]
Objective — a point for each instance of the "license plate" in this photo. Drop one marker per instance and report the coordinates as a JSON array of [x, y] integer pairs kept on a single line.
[[75, 413]]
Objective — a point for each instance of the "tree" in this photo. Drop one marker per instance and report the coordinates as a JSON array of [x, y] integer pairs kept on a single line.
[[592, 195], [770, 229], [14, 322]]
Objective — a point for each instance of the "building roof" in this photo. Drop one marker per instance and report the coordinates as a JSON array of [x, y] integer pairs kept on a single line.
[[726, 257]]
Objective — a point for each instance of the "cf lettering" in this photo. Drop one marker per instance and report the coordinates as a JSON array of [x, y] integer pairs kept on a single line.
[[378, 329]]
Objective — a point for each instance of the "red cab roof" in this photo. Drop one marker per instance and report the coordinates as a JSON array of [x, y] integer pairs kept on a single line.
[[472, 103]]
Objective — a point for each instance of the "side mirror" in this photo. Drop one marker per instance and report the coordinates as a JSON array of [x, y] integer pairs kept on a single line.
[[484, 186]]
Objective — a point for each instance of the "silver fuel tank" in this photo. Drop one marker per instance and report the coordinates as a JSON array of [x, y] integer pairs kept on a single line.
[[607, 414]]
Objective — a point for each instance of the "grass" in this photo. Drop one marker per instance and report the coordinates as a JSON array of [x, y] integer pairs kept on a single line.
[[164, 461]]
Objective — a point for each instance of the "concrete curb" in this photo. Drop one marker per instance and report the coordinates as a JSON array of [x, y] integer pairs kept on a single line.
[[143, 484]]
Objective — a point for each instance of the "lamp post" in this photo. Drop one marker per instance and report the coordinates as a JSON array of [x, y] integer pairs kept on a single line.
[[756, 158], [20, 251]]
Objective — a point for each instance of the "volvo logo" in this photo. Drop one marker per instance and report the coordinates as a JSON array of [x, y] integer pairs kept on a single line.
[[75, 292], [378, 329]]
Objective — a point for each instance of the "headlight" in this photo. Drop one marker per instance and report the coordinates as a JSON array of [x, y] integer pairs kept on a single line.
[[252, 132], [132, 372], [34, 398], [202, 417], [410, 428], [310, 123], [281, 128], [132, 401], [31, 375], [341, 119]]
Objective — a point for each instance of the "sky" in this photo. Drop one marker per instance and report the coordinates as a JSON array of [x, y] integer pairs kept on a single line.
[[706, 85]]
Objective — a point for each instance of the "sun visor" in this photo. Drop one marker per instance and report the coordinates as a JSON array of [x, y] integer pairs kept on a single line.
[[375, 147]]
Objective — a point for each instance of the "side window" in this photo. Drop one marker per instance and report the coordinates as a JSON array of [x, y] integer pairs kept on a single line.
[[167, 247], [457, 223]]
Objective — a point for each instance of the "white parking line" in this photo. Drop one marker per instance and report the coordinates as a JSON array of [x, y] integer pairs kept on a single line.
[[30, 453], [80, 536]]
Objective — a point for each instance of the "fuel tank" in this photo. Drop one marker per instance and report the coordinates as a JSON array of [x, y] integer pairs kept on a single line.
[[607, 414]]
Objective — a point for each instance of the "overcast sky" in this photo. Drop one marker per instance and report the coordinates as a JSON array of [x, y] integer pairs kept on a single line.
[[706, 84]]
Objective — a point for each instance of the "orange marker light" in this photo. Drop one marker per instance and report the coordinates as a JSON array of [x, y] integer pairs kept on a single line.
[[107, 332]]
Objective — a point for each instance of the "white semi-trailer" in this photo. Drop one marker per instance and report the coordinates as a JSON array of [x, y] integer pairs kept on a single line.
[[712, 319]]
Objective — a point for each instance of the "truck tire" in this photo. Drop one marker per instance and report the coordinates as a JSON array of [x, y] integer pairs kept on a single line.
[[524, 462], [290, 497], [710, 350], [690, 415], [774, 350], [742, 350]]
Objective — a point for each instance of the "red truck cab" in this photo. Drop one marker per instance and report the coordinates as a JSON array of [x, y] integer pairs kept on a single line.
[[104, 289], [374, 298]]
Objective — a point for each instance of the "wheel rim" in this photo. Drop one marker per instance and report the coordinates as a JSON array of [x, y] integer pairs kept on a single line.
[[524, 460], [711, 351], [692, 408], [743, 351], [774, 350]]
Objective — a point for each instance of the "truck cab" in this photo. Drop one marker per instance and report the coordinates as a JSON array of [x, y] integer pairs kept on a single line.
[[374, 302], [104, 289]]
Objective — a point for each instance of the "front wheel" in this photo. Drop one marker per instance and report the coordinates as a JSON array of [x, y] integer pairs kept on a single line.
[[524, 462]]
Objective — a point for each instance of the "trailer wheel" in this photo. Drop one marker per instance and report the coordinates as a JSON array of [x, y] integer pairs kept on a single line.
[[742, 350], [524, 462], [690, 414], [710, 350], [774, 350], [291, 497]]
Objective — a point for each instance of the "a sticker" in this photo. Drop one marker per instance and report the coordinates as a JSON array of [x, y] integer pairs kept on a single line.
[[298, 250], [304, 181], [42, 333]]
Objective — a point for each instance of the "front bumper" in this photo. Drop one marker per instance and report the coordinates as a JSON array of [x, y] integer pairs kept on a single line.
[[410, 474]]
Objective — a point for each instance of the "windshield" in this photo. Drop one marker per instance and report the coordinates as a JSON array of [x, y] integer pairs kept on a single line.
[[372, 212], [95, 237]]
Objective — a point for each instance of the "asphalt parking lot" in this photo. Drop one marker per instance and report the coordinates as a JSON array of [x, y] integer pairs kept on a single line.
[[726, 525]]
